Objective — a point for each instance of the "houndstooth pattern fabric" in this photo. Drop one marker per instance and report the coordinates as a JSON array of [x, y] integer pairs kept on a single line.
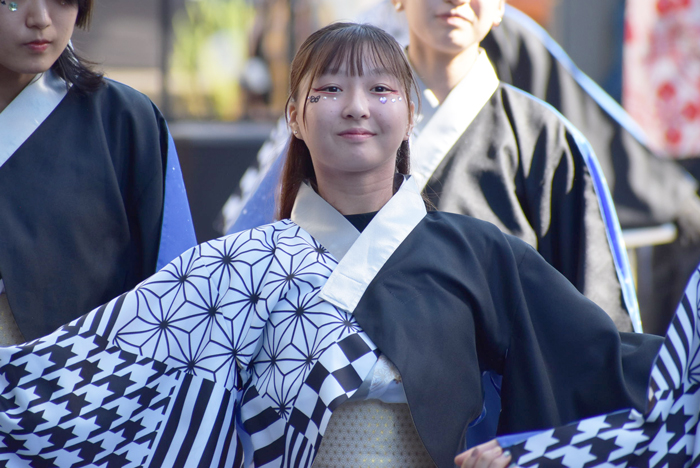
[[231, 334], [666, 437]]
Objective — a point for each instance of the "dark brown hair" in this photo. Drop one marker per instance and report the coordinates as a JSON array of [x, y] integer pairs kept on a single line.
[[325, 52], [70, 66]]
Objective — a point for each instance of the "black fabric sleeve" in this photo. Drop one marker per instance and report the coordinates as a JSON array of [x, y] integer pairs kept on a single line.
[[139, 149], [565, 360]]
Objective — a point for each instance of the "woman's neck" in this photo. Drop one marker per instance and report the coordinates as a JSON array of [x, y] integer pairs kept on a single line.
[[353, 195], [11, 84], [441, 72]]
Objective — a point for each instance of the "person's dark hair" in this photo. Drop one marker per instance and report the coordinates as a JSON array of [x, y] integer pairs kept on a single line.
[[327, 51], [70, 66]]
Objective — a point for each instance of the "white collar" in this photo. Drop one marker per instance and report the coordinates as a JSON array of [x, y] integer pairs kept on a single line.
[[318, 217], [441, 125], [28, 110], [360, 256]]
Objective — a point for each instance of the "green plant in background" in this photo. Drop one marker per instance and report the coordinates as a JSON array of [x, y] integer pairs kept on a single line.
[[209, 52]]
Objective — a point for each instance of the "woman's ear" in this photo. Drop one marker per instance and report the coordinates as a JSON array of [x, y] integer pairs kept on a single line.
[[411, 120], [293, 118], [501, 12]]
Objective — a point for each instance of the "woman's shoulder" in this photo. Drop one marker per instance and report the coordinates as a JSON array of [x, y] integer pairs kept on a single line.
[[270, 234], [523, 104], [114, 97], [124, 115], [467, 229], [490, 248]]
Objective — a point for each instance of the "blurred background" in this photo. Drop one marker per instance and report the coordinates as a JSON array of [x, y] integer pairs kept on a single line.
[[218, 69]]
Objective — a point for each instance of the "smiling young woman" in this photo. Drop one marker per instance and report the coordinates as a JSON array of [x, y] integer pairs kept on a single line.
[[82, 176], [351, 116]]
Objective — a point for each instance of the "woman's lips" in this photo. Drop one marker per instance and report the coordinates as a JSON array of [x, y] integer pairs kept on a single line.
[[38, 46], [357, 134], [454, 18]]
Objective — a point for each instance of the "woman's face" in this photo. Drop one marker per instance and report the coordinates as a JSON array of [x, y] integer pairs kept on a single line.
[[450, 26], [353, 124], [34, 36]]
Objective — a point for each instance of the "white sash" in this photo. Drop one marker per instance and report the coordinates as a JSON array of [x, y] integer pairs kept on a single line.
[[452, 118], [28, 110]]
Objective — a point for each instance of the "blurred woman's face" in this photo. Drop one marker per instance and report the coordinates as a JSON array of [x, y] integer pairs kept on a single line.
[[34, 35], [450, 26]]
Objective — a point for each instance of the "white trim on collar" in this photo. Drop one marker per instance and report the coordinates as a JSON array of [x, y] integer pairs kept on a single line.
[[28, 110], [317, 217], [380, 239], [452, 118]]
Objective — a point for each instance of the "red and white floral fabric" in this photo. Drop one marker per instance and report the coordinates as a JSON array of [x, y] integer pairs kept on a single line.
[[662, 73]]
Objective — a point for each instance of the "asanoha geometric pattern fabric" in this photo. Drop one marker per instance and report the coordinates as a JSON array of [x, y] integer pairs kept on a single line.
[[667, 436], [229, 335]]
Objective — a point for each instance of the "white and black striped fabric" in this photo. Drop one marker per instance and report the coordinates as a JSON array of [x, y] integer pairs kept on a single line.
[[666, 437], [230, 335]]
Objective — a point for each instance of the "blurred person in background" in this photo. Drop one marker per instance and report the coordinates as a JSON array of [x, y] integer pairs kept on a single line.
[[91, 195], [488, 150]]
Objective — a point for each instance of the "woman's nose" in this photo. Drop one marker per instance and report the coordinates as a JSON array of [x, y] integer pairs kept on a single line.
[[357, 106], [38, 15]]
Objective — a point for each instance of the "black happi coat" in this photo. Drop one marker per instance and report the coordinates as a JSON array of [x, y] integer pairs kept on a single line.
[[82, 206]]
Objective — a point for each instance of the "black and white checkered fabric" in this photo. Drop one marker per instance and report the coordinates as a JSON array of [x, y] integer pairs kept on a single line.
[[229, 335], [666, 437]]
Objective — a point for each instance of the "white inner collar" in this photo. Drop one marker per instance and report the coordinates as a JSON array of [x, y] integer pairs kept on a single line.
[[360, 255], [441, 124], [20, 119]]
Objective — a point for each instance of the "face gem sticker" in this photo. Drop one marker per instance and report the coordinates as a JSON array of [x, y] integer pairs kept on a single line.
[[382, 100]]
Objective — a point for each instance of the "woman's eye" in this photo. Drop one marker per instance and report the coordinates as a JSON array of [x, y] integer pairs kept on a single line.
[[382, 89], [327, 89]]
